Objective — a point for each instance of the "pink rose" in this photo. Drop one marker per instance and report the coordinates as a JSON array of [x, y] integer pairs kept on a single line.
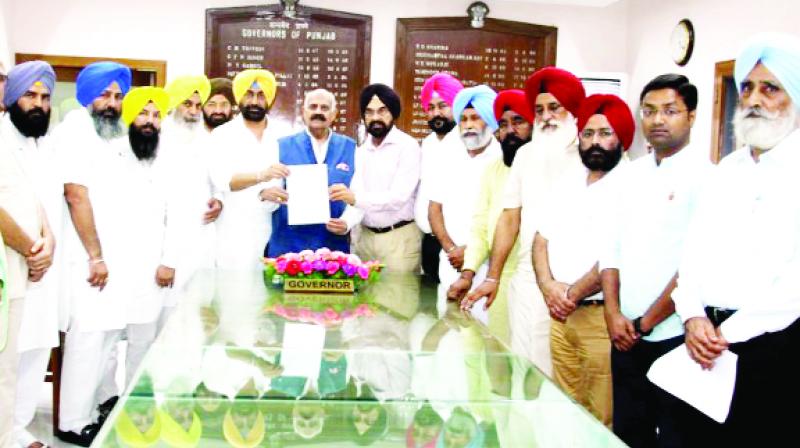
[[280, 266], [323, 252], [306, 267], [353, 259], [363, 272], [304, 313], [330, 314], [291, 256]]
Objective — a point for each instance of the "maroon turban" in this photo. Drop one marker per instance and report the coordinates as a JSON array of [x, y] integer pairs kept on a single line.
[[514, 100], [616, 111], [563, 85]]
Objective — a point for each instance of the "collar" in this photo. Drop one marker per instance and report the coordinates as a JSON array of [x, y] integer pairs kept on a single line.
[[314, 140], [391, 138], [13, 135]]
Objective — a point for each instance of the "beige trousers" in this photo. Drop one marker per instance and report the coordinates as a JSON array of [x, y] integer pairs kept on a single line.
[[581, 353], [399, 249], [529, 321]]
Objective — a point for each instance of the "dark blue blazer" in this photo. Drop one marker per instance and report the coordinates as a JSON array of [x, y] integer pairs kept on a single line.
[[297, 150]]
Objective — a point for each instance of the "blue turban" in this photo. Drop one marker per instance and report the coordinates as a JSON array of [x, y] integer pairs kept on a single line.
[[780, 54], [482, 100], [21, 77], [96, 77]]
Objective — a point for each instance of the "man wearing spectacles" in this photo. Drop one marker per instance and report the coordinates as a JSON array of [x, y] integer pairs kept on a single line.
[[555, 96], [639, 264]]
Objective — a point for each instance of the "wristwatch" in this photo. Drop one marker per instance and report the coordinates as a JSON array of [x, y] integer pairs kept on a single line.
[[637, 325]]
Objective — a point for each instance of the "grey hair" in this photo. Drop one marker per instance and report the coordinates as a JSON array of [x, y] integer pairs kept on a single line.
[[326, 93]]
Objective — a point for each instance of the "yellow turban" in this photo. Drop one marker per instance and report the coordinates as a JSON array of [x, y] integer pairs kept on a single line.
[[130, 435], [254, 437], [264, 78], [183, 87], [175, 436], [139, 97]]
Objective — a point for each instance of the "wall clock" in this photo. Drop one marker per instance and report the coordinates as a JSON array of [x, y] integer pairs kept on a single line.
[[681, 42]]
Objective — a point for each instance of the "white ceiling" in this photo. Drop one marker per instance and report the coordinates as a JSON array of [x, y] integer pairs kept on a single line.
[[594, 3]]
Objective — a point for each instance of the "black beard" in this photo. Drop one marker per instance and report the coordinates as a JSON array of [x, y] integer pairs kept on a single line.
[[379, 129], [595, 158], [510, 145], [441, 125], [33, 123], [215, 120], [144, 141], [254, 112]]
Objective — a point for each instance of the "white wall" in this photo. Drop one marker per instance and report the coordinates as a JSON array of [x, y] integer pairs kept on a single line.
[[721, 27], [174, 30], [5, 49]]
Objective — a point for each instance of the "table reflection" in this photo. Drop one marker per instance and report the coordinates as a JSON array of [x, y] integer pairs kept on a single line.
[[242, 364]]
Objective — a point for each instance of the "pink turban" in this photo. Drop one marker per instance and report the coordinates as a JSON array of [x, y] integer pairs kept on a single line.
[[442, 83]]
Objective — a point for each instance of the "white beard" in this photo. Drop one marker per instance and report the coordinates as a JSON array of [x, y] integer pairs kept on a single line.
[[186, 124], [766, 130], [473, 142], [558, 138]]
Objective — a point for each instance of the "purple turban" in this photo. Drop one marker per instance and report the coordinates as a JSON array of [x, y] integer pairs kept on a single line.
[[21, 77], [97, 76]]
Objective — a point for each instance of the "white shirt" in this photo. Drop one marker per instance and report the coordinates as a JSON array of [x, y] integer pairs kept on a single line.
[[575, 224], [743, 247], [536, 166], [655, 203], [459, 192], [386, 178], [245, 225], [430, 170]]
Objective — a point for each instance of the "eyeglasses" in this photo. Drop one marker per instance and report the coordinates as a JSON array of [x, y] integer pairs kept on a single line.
[[589, 134], [669, 112]]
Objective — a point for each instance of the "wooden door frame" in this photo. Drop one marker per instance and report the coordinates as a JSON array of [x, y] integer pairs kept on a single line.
[[159, 68], [722, 70]]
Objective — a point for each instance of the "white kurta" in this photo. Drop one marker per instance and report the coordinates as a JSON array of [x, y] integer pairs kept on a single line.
[[36, 160], [431, 169], [190, 244], [245, 225], [129, 206]]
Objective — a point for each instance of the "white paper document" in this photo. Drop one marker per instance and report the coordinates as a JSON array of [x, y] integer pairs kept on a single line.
[[307, 186], [302, 349], [709, 391]]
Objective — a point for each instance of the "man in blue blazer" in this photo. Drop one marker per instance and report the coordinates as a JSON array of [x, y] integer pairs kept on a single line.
[[318, 143]]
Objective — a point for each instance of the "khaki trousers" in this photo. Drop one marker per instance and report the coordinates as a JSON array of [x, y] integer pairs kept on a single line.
[[399, 250], [581, 353]]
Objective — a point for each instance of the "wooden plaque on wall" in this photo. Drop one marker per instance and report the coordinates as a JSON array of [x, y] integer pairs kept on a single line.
[[318, 48], [502, 54]]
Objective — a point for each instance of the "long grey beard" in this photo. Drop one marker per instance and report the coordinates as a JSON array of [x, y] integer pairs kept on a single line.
[[760, 129], [107, 129]]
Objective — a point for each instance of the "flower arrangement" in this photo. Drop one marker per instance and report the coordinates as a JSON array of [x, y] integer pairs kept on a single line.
[[320, 264]]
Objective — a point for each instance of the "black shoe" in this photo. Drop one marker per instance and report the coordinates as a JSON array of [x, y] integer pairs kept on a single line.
[[105, 408], [85, 438]]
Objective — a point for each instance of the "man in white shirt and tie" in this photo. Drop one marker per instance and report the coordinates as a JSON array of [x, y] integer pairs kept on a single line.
[[737, 285]]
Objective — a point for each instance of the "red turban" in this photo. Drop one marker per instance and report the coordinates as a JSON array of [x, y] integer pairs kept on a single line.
[[616, 111], [563, 85], [514, 100], [442, 83]]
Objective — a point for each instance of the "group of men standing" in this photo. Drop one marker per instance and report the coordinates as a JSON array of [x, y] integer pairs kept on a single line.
[[590, 265]]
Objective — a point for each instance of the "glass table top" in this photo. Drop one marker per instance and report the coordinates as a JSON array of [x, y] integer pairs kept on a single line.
[[240, 364]]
